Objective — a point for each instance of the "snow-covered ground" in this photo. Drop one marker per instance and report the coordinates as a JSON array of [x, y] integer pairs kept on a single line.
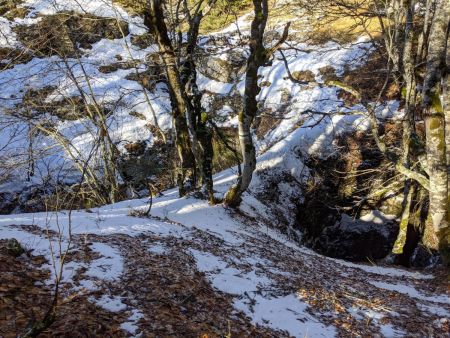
[[270, 279], [131, 113]]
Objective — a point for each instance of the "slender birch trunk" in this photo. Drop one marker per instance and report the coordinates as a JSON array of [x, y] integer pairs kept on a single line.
[[439, 235], [256, 59]]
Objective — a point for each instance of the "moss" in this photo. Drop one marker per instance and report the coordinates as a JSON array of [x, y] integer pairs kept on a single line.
[[223, 14], [436, 103], [57, 34], [403, 92], [241, 117], [304, 75], [14, 248], [204, 117], [232, 197]]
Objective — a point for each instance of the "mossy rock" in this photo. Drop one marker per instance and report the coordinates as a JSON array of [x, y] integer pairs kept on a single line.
[[134, 7], [14, 248], [8, 6], [67, 109], [142, 41], [9, 57], [18, 12], [148, 78], [218, 69], [265, 84], [304, 75], [106, 69], [58, 34], [328, 73]]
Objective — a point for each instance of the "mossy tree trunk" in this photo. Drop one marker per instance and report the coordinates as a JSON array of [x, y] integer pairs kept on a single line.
[[197, 116], [154, 21], [438, 233], [258, 57]]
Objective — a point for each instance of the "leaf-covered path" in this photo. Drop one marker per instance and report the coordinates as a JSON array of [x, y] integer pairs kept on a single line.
[[193, 269]]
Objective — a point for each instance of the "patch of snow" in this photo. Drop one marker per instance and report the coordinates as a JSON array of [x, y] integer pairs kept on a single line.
[[411, 292], [108, 267], [131, 324], [285, 313], [388, 331], [109, 303], [213, 86], [158, 249]]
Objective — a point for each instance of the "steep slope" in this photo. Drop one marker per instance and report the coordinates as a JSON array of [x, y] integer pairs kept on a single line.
[[192, 267]]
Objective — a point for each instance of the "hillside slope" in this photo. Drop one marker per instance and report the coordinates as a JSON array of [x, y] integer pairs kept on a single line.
[[189, 269], [195, 269]]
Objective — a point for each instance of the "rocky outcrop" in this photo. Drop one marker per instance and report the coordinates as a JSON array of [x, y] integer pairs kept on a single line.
[[358, 239], [60, 34], [219, 69], [335, 217]]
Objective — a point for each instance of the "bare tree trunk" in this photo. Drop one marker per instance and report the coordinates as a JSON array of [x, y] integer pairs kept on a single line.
[[256, 59], [154, 20], [197, 116], [259, 56], [423, 38], [439, 236]]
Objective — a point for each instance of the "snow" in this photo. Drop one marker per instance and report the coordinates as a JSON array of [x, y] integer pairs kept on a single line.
[[130, 325], [110, 303], [247, 286], [213, 86], [286, 313], [109, 266], [238, 274], [412, 292]]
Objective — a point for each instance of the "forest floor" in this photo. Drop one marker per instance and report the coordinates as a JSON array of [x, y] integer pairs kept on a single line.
[[197, 270], [191, 269]]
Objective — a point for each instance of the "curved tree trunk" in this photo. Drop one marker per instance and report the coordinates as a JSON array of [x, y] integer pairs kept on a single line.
[[256, 59]]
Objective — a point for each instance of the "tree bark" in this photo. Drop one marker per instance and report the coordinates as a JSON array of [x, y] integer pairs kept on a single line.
[[256, 59], [154, 21], [197, 116], [439, 235]]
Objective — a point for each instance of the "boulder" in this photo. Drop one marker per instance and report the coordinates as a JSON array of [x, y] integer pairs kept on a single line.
[[13, 248], [223, 70], [370, 237], [57, 34]]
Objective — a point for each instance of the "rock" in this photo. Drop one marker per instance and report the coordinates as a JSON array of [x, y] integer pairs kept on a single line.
[[148, 78], [223, 70], [9, 57], [328, 73], [10, 10], [139, 164], [57, 34], [423, 257], [304, 75], [8, 202], [14, 248], [142, 41], [358, 240], [106, 69]]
